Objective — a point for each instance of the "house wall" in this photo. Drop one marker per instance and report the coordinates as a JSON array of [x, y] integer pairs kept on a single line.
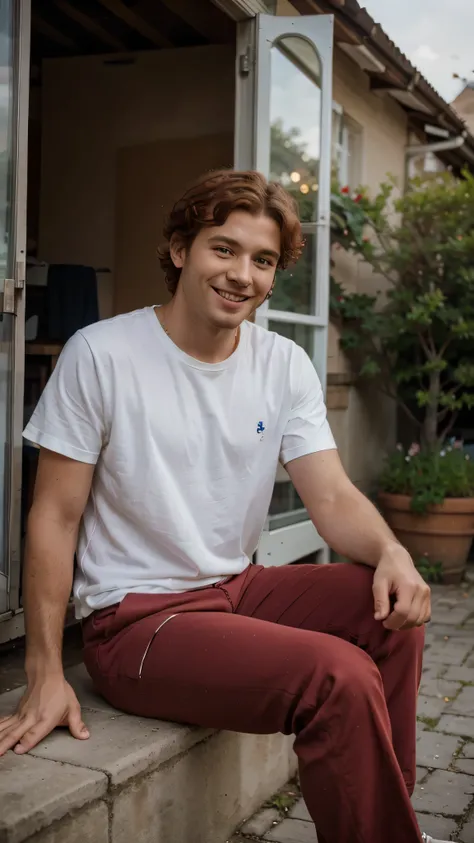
[[464, 105], [94, 109]]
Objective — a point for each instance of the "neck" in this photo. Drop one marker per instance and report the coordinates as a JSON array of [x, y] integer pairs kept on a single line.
[[200, 340]]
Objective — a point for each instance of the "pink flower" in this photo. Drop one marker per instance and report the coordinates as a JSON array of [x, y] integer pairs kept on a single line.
[[399, 446], [414, 449], [457, 444]]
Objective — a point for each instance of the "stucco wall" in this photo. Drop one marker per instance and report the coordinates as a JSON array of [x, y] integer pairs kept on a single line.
[[464, 105]]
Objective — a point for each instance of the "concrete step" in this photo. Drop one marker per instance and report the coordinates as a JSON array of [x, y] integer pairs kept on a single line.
[[136, 779]]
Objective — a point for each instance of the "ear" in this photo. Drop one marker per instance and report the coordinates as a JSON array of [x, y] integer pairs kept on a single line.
[[177, 251]]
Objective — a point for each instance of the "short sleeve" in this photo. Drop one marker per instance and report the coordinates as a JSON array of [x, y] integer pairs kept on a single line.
[[69, 418], [307, 429]]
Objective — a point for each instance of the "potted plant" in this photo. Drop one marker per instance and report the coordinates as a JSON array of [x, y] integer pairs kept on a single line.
[[416, 338]]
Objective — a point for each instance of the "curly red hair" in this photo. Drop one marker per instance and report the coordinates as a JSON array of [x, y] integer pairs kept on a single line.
[[210, 200]]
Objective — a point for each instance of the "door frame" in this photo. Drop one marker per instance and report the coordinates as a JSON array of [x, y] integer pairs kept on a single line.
[[255, 38], [14, 300]]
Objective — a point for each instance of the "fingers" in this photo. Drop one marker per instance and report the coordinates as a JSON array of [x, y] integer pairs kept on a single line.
[[381, 592], [12, 731], [33, 736], [77, 727], [412, 608], [22, 733]]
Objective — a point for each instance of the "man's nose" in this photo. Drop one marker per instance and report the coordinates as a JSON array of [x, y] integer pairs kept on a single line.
[[240, 272]]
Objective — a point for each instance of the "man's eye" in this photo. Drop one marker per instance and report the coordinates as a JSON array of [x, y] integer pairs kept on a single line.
[[223, 250], [264, 261]]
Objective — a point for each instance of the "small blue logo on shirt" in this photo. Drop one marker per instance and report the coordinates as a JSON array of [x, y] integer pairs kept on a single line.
[[260, 427]]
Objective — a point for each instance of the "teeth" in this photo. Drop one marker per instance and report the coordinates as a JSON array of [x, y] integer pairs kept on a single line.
[[231, 296]]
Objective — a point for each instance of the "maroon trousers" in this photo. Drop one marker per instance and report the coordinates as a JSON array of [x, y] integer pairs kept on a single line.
[[294, 650]]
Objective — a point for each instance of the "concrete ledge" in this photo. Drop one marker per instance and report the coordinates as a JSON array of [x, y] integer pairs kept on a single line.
[[139, 779]]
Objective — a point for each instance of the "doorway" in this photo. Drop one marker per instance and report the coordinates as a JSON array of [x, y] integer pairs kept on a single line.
[[116, 107]]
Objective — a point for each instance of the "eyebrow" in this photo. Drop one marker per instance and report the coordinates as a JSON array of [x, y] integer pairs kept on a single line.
[[221, 238]]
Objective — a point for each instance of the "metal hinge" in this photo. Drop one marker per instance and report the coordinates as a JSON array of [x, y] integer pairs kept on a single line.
[[20, 274], [8, 296], [244, 63]]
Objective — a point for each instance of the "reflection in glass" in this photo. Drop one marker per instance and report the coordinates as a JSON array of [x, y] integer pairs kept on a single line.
[[301, 334], [295, 116], [6, 115], [294, 289]]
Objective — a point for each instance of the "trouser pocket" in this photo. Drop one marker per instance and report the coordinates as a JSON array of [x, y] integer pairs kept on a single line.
[[150, 642]]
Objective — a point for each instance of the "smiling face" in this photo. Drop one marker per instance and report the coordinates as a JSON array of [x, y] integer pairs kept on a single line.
[[229, 269]]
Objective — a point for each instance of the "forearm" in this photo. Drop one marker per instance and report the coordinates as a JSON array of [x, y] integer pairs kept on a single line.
[[353, 527], [47, 582]]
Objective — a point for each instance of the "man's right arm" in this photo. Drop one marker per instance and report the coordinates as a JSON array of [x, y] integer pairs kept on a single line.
[[61, 492]]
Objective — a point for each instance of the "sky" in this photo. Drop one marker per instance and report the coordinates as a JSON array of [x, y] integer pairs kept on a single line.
[[436, 35]]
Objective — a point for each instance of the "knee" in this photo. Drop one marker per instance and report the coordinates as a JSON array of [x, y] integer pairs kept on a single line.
[[349, 673], [356, 674]]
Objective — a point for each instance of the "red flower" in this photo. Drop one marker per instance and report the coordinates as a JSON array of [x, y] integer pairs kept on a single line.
[[345, 190], [358, 197], [340, 298]]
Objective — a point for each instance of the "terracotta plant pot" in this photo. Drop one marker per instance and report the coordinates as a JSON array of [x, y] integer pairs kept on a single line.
[[443, 534]]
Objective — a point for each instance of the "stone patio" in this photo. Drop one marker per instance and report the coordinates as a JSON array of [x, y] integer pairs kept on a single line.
[[444, 795]]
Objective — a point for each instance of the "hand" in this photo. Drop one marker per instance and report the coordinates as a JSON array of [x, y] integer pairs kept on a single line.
[[46, 704], [396, 575]]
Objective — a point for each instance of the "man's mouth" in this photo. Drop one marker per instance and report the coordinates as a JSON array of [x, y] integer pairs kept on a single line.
[[230, 296]]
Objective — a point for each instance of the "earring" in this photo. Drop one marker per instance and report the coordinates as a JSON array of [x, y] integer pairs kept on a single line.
[[269, 294]]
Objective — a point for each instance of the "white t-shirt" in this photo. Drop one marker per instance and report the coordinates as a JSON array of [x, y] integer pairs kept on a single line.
[[186, 452]]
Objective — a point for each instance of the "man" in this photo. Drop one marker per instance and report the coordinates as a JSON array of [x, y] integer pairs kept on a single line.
[[160, 433]]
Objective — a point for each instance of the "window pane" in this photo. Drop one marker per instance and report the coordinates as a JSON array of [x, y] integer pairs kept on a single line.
[[294, 288], [295, 116], [301, 334]]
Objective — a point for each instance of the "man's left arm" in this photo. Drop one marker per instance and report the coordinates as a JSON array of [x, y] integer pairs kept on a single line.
[[353, 527]]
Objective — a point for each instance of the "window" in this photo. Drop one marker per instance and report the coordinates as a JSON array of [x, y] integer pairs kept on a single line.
[[346, 148]]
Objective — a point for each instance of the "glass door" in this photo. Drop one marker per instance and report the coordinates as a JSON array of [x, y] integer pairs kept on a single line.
[[283, 129], [14, 84]]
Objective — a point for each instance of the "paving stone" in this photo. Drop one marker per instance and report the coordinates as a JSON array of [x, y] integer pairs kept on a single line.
[[468, 750], [433, 671], [438, 631], [437, 826], [438, 688], [435, 750], [456, 725], [460, 674], [467, 834], [262, 822], [452, 616], [292, 831], [465, 765], [464, 703], [300, 811], [35, 793], [452, 652], [444, 793], [431, 707], [420, 773]]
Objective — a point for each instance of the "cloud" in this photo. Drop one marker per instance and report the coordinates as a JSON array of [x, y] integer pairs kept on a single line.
[[424, 53]]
